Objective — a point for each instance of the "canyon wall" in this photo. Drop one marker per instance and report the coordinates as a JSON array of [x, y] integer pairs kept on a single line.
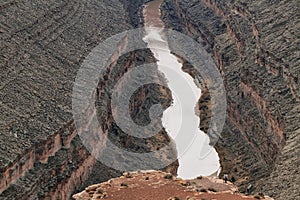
[[43, 44], [254, 45]]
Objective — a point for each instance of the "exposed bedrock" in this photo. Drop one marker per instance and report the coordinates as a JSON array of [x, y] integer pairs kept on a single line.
[[254, 45], [43, 44]]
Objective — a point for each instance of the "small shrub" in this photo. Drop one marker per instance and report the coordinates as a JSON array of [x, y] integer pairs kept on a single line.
[[212, 189], [232, 179], [124, 184], [261, 194], [185, 183], [104, 195], [168, 176], [128, 175], [100, 190], [257, 197], [203, 190], [174, 198]]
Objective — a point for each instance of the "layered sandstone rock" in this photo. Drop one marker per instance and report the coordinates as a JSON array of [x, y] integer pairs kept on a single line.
[[254, 46], [43, 44]]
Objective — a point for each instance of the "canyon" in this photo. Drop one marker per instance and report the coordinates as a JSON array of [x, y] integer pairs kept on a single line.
[[255, 52], [43, 44], [180, 119]]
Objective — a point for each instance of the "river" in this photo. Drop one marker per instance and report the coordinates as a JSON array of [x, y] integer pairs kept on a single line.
[[180, 118]]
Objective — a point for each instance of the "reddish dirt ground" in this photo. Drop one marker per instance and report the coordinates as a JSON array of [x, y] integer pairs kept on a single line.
[[156, 185]]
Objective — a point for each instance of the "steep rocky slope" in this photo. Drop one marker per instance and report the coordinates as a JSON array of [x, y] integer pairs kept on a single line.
[[43, 44], [254, 44]]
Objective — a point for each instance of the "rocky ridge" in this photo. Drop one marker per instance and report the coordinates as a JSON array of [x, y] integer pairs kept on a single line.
[[254, 46], [43, 44]]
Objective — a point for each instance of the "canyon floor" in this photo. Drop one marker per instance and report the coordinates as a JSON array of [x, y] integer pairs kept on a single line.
[[158, 185]]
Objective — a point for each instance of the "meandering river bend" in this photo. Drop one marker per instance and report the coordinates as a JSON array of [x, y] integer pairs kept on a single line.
[[180, 119]]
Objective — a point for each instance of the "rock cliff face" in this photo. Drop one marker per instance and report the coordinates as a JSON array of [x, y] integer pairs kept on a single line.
[[254, 44], [43, 44]]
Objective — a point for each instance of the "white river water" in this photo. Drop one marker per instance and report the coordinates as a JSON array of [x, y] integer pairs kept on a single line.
[[180, 119]]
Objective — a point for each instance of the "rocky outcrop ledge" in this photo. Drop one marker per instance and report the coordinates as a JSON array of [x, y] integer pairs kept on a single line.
[[157, 185]]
